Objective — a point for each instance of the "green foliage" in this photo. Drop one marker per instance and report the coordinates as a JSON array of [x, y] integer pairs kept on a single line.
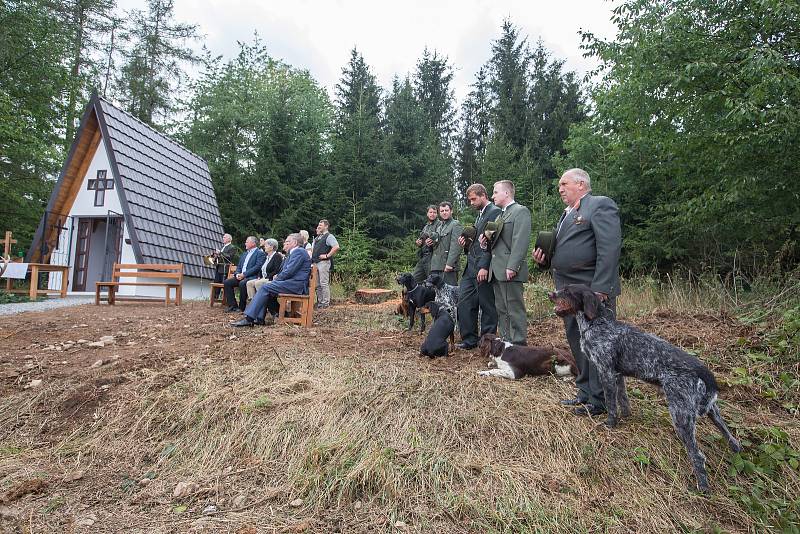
[[697, 108], [759, 478], [13, 298]]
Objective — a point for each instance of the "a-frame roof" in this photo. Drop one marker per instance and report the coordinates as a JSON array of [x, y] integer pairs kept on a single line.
[[165, 190]]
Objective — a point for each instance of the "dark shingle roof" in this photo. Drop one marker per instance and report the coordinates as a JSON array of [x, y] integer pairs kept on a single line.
[[168, 191]]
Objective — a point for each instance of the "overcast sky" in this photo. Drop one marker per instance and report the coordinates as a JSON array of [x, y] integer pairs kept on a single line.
[[318, 35]]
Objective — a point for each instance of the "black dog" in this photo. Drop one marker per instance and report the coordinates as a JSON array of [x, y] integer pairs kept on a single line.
[[619, 349], [436, 343], [514, 362], [413, 300]]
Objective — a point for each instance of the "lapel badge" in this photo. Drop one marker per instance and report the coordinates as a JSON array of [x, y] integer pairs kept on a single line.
[[578, 219]]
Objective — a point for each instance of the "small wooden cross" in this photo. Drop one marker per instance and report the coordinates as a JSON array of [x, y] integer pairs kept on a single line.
[[7, 242]]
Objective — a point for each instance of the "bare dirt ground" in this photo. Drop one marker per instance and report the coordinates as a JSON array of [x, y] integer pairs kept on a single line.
[[178, 422]]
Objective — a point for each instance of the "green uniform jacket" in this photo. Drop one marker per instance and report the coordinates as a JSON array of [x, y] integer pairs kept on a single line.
[[430, 229], [510, 247], [447, 249]]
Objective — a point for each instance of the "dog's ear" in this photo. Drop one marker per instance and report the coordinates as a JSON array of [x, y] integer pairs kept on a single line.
[[591, 304]]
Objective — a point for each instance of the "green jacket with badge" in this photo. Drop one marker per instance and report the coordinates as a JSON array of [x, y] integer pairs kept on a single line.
[[510, 246], [446, 250]]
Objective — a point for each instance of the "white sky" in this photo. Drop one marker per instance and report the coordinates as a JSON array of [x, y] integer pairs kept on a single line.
[[318, 35]]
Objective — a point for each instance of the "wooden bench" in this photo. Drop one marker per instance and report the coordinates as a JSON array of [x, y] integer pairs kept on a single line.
[[220, 296], [171, 272], [299, 307]]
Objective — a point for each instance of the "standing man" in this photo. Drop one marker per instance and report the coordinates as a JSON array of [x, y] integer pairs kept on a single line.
[[508, 270], [475, 291], [292, 279], [248, 268], [224, 256], [446, 252], [424, 252], [588, 240], [324, 249]]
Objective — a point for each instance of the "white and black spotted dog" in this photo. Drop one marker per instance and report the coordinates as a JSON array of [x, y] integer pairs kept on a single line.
[[446, 295], [514, 361], [619, 350]]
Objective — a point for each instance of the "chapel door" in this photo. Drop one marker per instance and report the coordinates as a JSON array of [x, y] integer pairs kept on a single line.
[[82, 254]]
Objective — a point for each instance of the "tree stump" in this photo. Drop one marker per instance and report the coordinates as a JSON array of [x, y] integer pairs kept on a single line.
[[373, 296]]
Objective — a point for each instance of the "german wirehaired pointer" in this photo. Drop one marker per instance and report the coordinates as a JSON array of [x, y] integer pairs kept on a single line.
[[436, 344], [514, 361], [413, 300], [619, 350]]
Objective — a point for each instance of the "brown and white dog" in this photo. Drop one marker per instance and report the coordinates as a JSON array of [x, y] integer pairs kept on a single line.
[[514, 361]]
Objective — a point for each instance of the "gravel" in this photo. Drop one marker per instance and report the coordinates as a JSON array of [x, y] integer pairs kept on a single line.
[[47, 304]]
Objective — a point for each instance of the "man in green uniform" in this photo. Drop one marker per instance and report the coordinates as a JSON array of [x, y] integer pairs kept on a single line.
[[446, 252], [424, 251], [508, 270]]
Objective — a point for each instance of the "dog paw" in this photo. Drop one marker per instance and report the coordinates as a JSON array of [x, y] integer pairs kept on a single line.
[[483, 373], [611, 423]]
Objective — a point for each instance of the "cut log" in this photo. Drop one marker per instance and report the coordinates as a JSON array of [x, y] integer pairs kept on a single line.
[[374, 296]]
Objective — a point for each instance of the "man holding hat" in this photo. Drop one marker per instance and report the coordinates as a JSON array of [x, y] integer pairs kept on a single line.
[[508, 270], [588, 240], [446, 252]]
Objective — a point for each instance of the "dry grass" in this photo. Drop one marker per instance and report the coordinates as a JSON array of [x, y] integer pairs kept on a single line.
[[348, 419]]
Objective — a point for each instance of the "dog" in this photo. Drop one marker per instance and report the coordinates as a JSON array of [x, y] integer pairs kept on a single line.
[[408, 308], [443, 326], [514, 362], [619, 350], [446, 295]]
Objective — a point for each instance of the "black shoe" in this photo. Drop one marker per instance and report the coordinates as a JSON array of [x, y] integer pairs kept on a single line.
[[231, 309], [589, 409], [260, 322], [465, 346], [243, 322], [571, 402]]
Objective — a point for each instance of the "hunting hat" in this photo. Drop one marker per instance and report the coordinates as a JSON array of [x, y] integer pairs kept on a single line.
[[492, 229], [469, 232], [547, 242]]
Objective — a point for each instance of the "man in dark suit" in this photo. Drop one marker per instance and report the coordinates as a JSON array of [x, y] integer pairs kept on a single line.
[[293, 279], [475, 291], [508, 270], [225, 256], [248, 269], [588, 240]]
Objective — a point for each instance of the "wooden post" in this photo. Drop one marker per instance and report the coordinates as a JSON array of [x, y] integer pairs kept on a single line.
[[7, 242]]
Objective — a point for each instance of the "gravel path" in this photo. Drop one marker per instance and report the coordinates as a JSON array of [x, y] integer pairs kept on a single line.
[[47, 304]]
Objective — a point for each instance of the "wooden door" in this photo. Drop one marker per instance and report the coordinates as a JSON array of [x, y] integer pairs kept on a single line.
[[82, 254]]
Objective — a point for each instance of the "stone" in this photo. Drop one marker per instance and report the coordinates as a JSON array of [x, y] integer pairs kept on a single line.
[[107, 339], [96, 364], [34, 383], [210, 509], [86, 521], [296, 503], [96, 344], [400, 524], [184, 489], [239, 501], [83, 341]]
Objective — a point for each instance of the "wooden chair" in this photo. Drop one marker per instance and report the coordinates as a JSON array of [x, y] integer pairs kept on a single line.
[[220, 297], [299, 307]]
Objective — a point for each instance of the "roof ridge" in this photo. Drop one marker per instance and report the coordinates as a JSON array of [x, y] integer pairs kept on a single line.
[[147, 126]]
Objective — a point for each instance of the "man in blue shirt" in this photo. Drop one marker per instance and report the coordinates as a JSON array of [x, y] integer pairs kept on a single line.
[[248, 269]]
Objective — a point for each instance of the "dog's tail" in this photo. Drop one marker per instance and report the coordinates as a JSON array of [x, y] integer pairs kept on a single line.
[[707, 385]]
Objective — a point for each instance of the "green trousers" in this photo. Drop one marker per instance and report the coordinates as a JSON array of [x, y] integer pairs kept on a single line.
[[512, 318]]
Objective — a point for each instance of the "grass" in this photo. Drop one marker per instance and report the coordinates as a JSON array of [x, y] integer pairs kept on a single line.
[[351, 421]]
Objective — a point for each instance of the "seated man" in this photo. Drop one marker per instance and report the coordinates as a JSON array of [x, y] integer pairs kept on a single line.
[[248, 268], [292, 279], [271, 267]]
